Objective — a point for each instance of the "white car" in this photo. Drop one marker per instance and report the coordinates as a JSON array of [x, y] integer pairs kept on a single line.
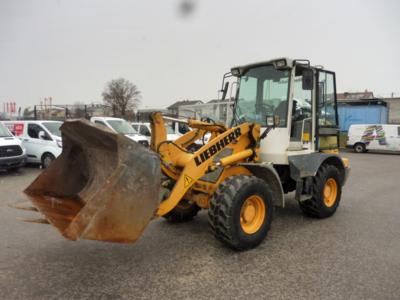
[[383, 137], [12, 154], [41, 139], [118, 125], [145, 129]]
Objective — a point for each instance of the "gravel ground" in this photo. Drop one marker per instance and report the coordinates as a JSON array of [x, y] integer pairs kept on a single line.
[[353, 255]]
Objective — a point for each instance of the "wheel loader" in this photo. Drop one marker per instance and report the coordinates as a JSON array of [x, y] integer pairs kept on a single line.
[[283, 138]]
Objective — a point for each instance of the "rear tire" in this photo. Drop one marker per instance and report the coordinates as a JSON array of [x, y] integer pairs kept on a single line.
[[359, 148], [183, 212], [326, 193], [241, 212], [47, 159]]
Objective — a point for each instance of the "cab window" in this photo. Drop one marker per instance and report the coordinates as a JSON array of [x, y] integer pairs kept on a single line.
[[326, 105], [144, 131], [263, 91], [34, 129], [301, 110]]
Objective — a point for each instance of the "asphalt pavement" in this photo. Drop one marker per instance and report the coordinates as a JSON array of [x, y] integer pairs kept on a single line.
[[353, 255]]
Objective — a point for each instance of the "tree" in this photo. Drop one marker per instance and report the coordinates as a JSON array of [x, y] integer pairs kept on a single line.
[[122, 95]]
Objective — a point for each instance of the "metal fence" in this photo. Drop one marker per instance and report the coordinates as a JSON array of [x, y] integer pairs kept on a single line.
[[68, 111]]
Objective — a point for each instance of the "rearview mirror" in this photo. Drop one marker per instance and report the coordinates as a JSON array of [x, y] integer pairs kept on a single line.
[[308, 79], [225, 90]]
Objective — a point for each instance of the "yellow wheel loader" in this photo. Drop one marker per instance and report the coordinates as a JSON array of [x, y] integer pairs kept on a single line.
[[283, 138]]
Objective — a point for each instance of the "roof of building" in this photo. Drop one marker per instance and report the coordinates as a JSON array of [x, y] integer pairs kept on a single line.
[[354, 96], [184, 102]]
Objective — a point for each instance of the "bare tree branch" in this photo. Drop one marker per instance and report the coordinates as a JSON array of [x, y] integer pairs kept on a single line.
[[122, 96]]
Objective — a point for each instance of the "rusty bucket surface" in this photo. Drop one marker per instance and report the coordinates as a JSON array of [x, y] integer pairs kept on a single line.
[[103, 186]]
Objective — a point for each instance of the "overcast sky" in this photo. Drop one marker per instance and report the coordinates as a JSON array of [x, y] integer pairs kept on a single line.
[[69, 49]]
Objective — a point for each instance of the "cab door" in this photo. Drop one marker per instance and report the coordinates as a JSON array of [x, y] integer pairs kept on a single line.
[[301, 116], [327, 128]]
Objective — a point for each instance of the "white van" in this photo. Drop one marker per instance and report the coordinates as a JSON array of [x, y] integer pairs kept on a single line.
[[145, 129], [41, 139], [121, 126], [364, 137], [12, 154]]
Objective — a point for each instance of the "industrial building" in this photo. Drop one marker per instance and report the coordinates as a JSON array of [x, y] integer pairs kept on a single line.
[[365, 108]]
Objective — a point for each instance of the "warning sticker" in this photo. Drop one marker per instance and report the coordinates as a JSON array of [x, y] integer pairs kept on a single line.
[[188, 181]]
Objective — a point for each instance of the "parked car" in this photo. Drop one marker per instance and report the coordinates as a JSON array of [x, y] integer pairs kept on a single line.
[[41, 139], [12, 153], [118, 125], [364, 137], [145, 130]]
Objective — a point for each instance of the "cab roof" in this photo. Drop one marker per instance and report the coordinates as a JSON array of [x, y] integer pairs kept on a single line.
[[282, 62]]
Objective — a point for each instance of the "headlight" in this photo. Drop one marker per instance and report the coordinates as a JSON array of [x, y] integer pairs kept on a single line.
[[280, 63], [235, 72], [59, 143]]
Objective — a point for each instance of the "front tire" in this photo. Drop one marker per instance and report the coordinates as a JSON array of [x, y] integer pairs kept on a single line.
[[326, 193], [183, 212], [47, 159], [241, 212]]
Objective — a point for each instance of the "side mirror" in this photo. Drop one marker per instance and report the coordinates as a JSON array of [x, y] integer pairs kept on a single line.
[[225, 90], [308, 79], [42, 135]]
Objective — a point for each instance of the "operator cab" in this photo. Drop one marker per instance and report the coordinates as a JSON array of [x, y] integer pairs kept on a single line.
[[302, 100]]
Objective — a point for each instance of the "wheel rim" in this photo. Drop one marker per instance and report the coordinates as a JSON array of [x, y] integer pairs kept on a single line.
[[358, 148], [330, 192], [252, 214]]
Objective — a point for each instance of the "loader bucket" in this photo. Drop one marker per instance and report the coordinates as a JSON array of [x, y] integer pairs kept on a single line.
[[103, 186]]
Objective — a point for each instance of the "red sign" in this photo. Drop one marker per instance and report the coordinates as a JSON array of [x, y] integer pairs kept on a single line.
[[18, 129]]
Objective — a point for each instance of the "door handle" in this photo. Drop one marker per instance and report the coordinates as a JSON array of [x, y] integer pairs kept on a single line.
[[26, 140]]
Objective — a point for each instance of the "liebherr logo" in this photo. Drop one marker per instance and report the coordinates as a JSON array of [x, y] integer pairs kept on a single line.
[[218, 146]]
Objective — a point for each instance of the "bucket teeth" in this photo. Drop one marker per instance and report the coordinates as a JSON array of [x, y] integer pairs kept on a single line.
[[39, 221], [23, 206]]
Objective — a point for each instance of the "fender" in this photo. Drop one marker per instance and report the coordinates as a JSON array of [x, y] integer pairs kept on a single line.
[[266, 172], [302, 166]]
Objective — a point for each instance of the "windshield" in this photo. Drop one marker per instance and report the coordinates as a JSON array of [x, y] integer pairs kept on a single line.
[[263, 91], [121, 126], [53, 127], [4, 131]]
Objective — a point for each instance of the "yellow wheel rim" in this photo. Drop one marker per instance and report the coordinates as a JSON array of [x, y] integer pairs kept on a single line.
[[252, 214], [330, 192]]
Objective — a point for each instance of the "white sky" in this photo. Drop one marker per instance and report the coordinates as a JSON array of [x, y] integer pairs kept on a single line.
[[69, 49]]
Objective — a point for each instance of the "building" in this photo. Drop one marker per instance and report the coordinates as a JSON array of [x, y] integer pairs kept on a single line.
[[393, 105], [179, 107], [361, 108]]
